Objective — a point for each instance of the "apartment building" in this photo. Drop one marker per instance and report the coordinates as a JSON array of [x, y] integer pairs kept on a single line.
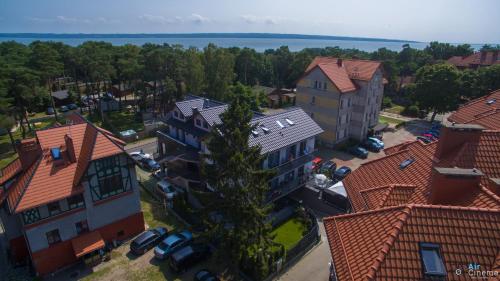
[[72, 189], [286, 138], [343, 96]]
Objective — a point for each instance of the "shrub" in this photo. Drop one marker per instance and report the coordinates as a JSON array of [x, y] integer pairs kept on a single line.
[[411, 110], [387, 102]]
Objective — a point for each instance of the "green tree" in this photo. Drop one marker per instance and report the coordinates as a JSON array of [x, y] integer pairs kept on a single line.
[[437, 88], [219, 72], [194, 72], [234, 170], [489, 79]]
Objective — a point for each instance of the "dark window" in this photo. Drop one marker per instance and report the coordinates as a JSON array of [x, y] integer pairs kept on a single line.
[[273, 159], [54, 208], [111, 185], [76, 202], [31, 216], [176, 114], [302, 148], [324, 86], [82, 227], [198, 122], [300, 172], [290, 176], [315, 84], [205, 124], [432, 260], [53, 237]]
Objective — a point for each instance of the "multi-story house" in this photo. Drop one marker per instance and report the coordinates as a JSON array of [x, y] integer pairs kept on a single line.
[[286, 138], [343, 95], [72, 189]]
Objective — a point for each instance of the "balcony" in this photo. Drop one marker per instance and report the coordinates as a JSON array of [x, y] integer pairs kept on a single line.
[[295, 163], [285, 188]]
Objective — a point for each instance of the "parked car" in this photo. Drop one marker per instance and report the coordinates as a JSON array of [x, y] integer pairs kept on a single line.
[[371, 146], [358, 152], [429, 136], [50, 111], [166, 189], [341, 173], [424, 139], [72, 106], [139, 155], [149, 164], [188, 256], [316, 163], [173, 243], [377, 141], [159, 175], [328, 166], [205, 275], [147, 240], [63, 109]]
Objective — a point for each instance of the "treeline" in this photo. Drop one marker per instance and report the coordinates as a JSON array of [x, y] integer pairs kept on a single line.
[[28, 73]]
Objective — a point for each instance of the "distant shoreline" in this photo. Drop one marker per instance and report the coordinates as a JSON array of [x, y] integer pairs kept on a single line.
[[196, 35]]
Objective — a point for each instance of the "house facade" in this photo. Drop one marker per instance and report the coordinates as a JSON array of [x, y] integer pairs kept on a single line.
[[343, 96], [72, 189], [287, 139]]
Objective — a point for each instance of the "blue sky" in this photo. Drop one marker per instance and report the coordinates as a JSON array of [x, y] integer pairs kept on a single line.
[[471, 21]]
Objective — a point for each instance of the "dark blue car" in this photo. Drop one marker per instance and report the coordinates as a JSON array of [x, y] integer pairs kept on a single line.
[[358, 152], [173, 243], [147, 240], [341, 173]]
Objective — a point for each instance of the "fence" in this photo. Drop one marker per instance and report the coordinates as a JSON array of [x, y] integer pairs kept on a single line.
[[294, 254]]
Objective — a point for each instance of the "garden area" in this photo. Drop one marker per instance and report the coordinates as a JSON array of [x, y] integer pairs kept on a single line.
[[389, 120], [290, 232]]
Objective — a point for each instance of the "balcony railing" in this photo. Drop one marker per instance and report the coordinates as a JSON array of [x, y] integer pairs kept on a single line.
[[285, 188], [295, 163]]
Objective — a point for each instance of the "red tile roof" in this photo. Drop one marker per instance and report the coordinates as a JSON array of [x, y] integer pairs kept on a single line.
[[46, 181], [479, 112], [485, 58], [384, 244], [10, 170], [342, 74], [87, 243], [382, 182]]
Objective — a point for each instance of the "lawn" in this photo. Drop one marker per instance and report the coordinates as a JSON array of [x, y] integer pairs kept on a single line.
[[124, 120], [397, 109], [289, 233], [155, 214], [389, 120]]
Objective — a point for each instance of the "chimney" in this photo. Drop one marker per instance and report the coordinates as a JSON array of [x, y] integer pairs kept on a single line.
[[494, 185], [454, 135], [70, 148], [206, 103], [339, 62], [28, 150], [451, 185]]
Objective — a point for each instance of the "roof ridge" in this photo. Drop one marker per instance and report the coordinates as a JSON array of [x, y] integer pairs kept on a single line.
[[393, 234], [32, 170], [490, 193], [386, 195], [385, 157], [366, 212]]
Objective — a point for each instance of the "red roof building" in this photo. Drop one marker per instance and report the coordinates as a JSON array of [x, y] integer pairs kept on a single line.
[[423, 211], [476, 60], [415, 242], [67, 181], [484, 111]]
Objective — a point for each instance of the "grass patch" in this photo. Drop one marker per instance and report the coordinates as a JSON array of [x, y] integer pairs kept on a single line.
[[397, 109], [389, 120], [289, 233], [125, 120]]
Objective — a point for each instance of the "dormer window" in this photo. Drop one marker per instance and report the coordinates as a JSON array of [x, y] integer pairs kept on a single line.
[[176, 114], [56, 153], [432, 260], [198, 122], [205, 124], [54, 208]]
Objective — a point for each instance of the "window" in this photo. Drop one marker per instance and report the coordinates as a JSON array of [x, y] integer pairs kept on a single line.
[[82, 227], [198, 122], [53, 237], [349, 102], [324, 86], [54, 208], [313, 100], [113, 177], [432, 260], [205, 124], [76, 201], [315, 84], [312, 115], [176, 113], [406, 163], [273, 159], [110, 185], [31, 216], [302, 148]]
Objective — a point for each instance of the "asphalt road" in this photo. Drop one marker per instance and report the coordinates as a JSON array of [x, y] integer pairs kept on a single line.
[[149, 146]]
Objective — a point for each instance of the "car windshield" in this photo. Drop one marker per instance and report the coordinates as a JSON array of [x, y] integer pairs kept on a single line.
[[151, 162]]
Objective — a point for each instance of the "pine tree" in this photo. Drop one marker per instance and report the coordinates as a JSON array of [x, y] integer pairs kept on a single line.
[[234, 170]]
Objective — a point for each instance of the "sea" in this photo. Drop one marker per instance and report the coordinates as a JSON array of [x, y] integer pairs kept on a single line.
[[259, 44]]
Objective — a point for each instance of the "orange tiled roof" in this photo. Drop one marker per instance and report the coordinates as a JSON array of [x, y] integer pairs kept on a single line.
[[384, 244], [479, 112], [381, 182], [342, 76], [46, 182], [485, 58], [87, 243], [10, 170]]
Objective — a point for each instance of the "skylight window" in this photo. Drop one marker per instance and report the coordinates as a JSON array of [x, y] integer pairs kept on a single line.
[[265, 129], [432, 260], [492, 101], [56, 153], [290, 122], [280, 124], [255, 133], [406, 163]]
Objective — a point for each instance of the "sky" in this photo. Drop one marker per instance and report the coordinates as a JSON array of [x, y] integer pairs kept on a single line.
[[454, 21]]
